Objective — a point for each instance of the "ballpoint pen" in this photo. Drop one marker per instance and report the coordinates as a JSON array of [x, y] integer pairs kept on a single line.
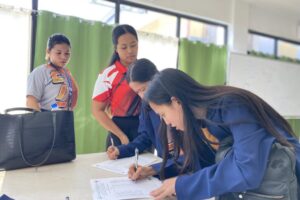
[[112, 142], [136, 158]]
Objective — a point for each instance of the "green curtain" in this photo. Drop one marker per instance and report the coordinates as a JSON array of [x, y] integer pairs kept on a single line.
[[205, 63], [91, 51], [295, 124]]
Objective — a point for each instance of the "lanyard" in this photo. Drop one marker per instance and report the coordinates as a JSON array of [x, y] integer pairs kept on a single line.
[[69, 83], [70, 89]]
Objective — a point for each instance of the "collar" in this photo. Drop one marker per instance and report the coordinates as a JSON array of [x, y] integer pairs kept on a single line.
[[121, 68], [57, 68]]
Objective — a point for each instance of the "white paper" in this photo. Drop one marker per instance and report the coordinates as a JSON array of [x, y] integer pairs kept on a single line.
[[121, 188], [122, 165]]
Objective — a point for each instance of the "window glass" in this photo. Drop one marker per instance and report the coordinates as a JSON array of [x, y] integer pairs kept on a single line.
[[18, 3], [286, 49], [96, 10], [198, 31], [262, 44], [164, 50], [15, 54], [148, 21]]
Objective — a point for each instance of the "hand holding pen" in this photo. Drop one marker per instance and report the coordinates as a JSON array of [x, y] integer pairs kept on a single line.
[[112, 151], [141, 172], [137, 171], [134, 172]]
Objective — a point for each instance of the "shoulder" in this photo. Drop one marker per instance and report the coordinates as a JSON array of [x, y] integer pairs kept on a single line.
[[108, 75], [230, 100], [108, 71], [227, 103], [42, 69], [145, 108]]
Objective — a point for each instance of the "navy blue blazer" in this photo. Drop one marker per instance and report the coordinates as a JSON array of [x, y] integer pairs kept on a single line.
[[148, 137], [243, 168]]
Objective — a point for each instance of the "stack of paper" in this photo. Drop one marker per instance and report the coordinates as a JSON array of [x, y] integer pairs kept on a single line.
[[121, 166]]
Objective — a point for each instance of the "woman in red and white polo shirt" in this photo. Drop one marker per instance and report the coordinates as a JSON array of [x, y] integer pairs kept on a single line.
[[115, 105]]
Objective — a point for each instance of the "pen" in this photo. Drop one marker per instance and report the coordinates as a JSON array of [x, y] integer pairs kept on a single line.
[[136, 158], [112, 141]]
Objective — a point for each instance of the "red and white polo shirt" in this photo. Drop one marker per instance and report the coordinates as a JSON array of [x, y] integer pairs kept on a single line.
[[120, 97]]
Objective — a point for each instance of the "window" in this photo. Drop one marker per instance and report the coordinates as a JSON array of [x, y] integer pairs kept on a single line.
[[148, 21], [156, 31], [287, 49], [96, 10], [14, 51], [204, 32], [159, 31], [164, 50], [278, 48], [263, 44]]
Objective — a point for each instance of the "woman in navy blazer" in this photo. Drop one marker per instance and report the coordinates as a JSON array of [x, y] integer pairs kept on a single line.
[[138, 76], [225, 111]]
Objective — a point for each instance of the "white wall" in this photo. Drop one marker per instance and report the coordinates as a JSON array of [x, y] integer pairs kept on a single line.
[[240, 23], [274, 81], [218, 10], [275, 22]]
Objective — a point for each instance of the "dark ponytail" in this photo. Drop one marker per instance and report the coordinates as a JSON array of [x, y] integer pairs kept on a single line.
[[142, 71]]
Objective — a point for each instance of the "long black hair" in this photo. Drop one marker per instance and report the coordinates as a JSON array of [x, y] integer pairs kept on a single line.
[[116, 33], [192, 95], [142, 71]]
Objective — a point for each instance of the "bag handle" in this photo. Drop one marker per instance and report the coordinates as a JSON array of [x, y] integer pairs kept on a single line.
[[6, 111], [52, 146]]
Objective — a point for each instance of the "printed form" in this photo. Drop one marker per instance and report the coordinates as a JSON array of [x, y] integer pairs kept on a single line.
[[121, 188]]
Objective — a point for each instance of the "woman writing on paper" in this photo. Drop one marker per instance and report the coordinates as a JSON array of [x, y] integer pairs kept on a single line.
[[258, 150], [138, 76]]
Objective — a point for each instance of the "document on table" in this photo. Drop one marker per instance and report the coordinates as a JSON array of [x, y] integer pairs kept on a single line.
[[122, 165], [121, 188]]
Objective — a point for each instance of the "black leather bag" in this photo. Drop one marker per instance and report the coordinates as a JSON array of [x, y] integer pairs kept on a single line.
[[279, 182], [36, 138]]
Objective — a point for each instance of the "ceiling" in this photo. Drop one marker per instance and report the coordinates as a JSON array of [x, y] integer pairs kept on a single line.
[[292, 6]]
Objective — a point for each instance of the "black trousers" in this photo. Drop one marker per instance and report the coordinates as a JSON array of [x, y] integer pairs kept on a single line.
[[129, 125]]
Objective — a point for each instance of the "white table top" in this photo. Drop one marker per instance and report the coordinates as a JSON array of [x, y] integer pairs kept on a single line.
[[57, 181]]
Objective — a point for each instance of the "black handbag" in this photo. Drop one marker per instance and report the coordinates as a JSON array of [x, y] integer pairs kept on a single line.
[[36, 138], [279, 182]]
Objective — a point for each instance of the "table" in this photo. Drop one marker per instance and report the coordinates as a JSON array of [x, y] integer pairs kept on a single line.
[[57, 181]]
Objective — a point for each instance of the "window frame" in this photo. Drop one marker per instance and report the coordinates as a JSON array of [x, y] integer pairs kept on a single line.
[[175, 14], [276, 40], [118, 3]]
